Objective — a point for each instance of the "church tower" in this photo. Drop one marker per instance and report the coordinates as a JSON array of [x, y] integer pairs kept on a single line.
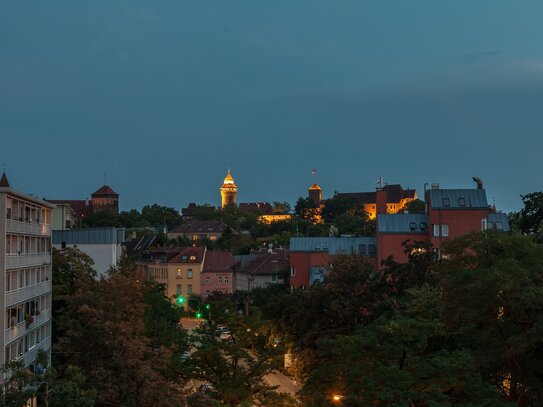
[[315, 194], [229, 191]]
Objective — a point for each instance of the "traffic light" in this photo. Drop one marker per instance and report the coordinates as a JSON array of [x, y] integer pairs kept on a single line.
[[208, 306], [198, 314], [180, 300]]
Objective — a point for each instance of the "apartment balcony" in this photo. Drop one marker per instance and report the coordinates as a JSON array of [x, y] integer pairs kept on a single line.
[[19, 330], [30, 356], [27, 293], [28, 228], [27, 260]]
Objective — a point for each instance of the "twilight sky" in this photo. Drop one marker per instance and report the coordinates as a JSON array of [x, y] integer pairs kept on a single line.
[[163, 96]]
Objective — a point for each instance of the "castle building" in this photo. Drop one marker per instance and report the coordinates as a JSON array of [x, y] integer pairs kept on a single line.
[[25, 267], [229, 191]]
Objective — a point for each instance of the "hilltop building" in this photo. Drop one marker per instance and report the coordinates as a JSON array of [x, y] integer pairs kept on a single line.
[[69, 212], [25, 267], [229, 191]]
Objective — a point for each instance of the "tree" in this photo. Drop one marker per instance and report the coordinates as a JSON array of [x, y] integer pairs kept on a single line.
[[530, 217], [281, 207], [493, 295], [235, 367], [414, 206], [156, 215], [339, 205], [305, 208]]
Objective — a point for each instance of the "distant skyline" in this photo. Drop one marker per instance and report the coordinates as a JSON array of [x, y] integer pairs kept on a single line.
[[164, 96]]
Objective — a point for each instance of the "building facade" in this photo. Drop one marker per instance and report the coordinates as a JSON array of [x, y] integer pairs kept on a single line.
[[218, 274], [25, 265], [310, 257], [103, 245], [179, 269]]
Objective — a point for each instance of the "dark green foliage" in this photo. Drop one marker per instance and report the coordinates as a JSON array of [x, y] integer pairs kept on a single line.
[[530, 219], [414, 206]]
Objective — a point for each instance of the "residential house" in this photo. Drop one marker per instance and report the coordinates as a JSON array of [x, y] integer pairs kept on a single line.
[[218, 274]]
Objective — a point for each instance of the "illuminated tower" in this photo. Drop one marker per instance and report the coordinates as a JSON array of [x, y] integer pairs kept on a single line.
[[228, 191], [315, 194]]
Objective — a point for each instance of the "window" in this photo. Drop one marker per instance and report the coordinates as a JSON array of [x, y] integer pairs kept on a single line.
[[178, 289], [362, 249], [446, 202], [444, 230], [189, 273], [293, 271], [423, 226], [184, 258], [189, 288], [274, 279], [461, 201], [317, 246], [178, 273], [372, 249], [195, 237], [412, 226], [325, 244], [484, 225], [499, 225], [220, 279], [208, 280], [192, 258], [436, 230]]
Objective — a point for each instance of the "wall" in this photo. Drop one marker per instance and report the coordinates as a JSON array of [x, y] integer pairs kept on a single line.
[[104, 255], [302, 261]]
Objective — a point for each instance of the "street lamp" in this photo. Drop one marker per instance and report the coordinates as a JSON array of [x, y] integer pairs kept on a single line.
[[336, 398]]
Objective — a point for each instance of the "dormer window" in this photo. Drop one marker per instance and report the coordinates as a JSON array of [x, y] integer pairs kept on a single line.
[[412, 226], [193, 258], [184, 258], [423, 226], [446, 202]]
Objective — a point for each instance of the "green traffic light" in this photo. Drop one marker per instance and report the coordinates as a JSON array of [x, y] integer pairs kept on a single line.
[[208, 306], [180, 299], [198, 314]]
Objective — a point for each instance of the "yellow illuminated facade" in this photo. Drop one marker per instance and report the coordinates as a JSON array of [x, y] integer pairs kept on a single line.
[[371, 208], [229, 191], [278, 217]]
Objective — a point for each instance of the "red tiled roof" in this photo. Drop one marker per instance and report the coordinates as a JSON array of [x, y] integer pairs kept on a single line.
[[105, 190], [80, 207], [218, 260], [266, 263], [200, 226], [185, 253], [265, 208]]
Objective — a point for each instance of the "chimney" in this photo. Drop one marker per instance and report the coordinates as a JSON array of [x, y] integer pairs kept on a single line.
[[479, 182], [381, 201]]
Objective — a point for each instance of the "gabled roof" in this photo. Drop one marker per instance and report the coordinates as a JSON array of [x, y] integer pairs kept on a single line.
[[105, 190], [192, 254], [403, 223], [200, 226], [218, 260], [265, 208], [80, 207], [457, 198], [498, 221], [266, 263], [4, 181], [394, 194]]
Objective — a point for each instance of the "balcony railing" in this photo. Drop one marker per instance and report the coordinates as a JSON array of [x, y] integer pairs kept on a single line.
[[30, 356], [29, 228], [20, 329], [27, 260], [27, 293]]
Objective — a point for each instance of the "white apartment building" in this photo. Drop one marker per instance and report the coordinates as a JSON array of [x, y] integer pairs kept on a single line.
[[25, 267]]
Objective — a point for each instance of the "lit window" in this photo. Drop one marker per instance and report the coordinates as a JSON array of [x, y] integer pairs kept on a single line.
[[446, 202], [445, 230], [192, 258], [436, 230], [195, 237], [178, 273]]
